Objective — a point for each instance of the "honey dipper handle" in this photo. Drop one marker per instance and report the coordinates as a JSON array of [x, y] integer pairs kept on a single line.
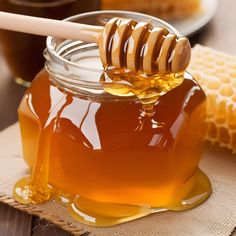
[[49, 27]]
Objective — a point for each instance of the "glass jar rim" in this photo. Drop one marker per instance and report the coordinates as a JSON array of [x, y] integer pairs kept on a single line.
[[71, 76], [49, 41]]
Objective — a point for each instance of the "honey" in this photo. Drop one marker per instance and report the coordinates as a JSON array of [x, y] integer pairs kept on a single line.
[[114, 147]]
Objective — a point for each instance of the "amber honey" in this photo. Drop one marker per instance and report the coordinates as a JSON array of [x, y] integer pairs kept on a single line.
[[93, 148], [116, 152]]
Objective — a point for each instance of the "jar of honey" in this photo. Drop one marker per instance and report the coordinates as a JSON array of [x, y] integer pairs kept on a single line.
[[111, 145]]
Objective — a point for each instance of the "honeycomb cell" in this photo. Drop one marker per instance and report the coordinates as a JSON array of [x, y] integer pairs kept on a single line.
[[219, 84]]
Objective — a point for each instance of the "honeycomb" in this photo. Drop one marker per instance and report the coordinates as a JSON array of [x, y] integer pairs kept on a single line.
[[167, 9], [216, 73]]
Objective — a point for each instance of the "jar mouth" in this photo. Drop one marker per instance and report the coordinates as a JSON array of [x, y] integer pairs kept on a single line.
[[63, 57], [50, 42]]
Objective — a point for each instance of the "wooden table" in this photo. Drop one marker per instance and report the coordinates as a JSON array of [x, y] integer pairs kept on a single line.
[[219, 34]]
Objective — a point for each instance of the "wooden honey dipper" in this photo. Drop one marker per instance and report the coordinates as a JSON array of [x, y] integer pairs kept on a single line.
[[136, 46]]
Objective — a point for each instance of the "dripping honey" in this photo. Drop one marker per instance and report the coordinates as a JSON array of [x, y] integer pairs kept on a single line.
[[107, 157]]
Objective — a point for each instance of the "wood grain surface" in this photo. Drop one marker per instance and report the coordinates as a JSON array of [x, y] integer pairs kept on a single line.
[[220, 33]]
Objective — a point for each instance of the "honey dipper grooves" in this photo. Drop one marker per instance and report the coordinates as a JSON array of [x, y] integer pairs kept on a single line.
[[140, 47]]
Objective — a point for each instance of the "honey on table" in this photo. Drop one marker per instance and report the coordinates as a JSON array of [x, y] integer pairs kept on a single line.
[[116, 147]]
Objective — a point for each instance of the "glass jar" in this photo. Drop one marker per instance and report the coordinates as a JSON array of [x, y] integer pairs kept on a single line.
[[24, 52], [100, 153]]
